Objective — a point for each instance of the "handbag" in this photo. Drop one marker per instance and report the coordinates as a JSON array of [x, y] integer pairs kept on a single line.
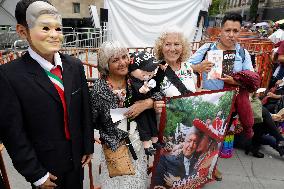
[[118, 162]]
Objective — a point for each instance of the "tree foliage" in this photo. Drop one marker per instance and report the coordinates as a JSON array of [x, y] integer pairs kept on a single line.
[[185, 110], [217, 7]]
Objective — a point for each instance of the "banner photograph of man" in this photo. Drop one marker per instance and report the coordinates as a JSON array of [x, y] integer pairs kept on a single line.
[[194, 129]]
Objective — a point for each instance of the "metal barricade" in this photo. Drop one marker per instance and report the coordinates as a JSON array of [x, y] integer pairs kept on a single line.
[[85, 39], [88, 56], [7, 39]]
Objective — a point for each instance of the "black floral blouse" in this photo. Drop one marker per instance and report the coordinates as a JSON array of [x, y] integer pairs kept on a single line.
[[102, 100]]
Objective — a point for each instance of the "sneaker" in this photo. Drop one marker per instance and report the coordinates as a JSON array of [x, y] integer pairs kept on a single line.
[[150, 151], [281, 143], [280, 150]]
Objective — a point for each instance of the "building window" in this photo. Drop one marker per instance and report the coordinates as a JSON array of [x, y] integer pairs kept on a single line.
[[76, 7]]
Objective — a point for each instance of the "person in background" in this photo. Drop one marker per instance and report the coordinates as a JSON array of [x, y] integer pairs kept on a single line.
[[278, 75], [205, 4], [264, 124], [44, 104], [113, 90]]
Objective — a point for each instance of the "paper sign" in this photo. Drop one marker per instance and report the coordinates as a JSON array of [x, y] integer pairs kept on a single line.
[[118, 114], [261, 90], [216, 57], [281, 113]]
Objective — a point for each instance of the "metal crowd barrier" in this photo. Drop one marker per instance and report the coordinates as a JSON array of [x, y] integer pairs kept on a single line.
[[260, 50], [85, 39], [7, 39]]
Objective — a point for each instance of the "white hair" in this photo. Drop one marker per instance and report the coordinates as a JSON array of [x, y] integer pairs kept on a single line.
[[193, 130], [107, 50], [39, 8], [158, 47]]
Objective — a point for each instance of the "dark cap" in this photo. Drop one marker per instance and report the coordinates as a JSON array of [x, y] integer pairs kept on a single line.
[[143, 61]]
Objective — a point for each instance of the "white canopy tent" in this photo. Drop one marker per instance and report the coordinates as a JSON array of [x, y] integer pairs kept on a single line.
[[137, 23], [7, 12]]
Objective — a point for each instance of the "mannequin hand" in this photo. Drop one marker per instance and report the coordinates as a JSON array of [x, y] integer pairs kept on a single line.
[[48, 184]]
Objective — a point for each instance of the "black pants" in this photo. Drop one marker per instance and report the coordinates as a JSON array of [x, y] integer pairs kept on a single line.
[[278, 76], [147, 125], [1, 182], [203, 14], [266, 127], [70, 180]]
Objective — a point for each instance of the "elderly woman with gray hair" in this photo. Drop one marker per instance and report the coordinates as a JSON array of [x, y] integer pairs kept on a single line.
[[111, 91]]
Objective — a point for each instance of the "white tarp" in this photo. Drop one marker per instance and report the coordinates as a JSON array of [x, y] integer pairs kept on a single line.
[[137, 23]]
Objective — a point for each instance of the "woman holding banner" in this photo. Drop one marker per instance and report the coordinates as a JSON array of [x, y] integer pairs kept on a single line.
[[173, 47]]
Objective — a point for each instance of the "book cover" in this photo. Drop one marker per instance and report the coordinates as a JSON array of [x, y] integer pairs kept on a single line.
[[216, 57], [228, 62]]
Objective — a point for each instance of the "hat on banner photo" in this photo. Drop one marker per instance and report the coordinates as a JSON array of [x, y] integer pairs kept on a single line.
[[215, 132], [142, 60]]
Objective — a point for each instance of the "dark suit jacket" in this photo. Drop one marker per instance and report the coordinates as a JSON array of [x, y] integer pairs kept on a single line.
[[171, 164], [1, 182], [31, 117]]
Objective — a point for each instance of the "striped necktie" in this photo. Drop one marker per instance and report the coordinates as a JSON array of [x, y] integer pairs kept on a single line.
[[55, 77]]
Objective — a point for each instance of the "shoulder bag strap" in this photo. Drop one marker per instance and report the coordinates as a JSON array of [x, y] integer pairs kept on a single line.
[[173, 78], [128, 142]]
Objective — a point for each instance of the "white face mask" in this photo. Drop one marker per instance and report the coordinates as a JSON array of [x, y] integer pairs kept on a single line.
[[45, 28], [46, 35], [39, 8]]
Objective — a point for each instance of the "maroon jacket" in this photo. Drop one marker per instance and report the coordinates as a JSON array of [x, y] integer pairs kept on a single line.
[[249, 82]]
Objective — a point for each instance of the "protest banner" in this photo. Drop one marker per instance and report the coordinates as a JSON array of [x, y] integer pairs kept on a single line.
[[193, 128]]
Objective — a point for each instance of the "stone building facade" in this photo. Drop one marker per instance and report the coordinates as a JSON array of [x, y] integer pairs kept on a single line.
[[75, 13], [267, 9]]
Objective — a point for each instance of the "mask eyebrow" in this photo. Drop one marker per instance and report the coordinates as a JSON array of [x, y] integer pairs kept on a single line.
[[46, 23]]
